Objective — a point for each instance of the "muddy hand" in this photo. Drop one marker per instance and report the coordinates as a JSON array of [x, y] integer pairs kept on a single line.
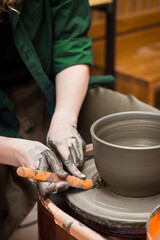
[[49, 161], [70, 147], [35, 155]]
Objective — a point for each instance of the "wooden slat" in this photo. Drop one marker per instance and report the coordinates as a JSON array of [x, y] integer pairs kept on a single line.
[[158, 3], [138, 20], [144, 4], [119, 7], [134, 6], [99, 2], [139, 5], [126, 45], [149, 4], [154, 3], [124, 7], [137, 25], [127, 23]]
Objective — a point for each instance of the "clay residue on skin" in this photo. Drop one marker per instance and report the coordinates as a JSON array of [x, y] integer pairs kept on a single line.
[[35, 152], [68, 162], [49, 161], [72, 159], [54, 162]]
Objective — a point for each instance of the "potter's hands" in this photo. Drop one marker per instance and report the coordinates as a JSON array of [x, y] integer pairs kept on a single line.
[[35, 155], [64, 138], [71, 87]]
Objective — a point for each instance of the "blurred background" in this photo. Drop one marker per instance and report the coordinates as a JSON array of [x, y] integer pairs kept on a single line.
[[134, 28]]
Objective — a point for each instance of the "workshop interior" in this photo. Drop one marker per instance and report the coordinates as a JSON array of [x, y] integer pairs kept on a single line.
[[120, 197]]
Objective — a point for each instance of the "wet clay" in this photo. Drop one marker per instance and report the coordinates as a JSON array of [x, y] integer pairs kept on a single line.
[[127, 152], [104, 207]]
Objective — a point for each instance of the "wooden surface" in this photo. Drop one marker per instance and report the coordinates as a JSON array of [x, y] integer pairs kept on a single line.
[[124, 23], [137, 70], [137, 20], [137, 48], [48, 229], [99, 2]]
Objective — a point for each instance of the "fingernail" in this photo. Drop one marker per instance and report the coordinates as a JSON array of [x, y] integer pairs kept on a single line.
[[81, 175], [63, 174], [64, 188]]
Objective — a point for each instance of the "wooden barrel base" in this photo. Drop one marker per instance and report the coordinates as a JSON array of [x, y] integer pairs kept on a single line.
[[49, 229]]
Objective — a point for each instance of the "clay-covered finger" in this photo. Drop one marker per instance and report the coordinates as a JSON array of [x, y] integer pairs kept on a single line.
[[71, 167], [69, 158], [74, 155], [81, 146], [43, 165], [77, 151], [48, 188], [76, 146], [55, 164], [81, 149], [67, 154]]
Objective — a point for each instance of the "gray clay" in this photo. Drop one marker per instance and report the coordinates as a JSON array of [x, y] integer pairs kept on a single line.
[[107, 208], [127, 152]]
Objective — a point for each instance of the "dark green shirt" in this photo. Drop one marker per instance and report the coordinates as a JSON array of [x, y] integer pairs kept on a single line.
[[50, 36]]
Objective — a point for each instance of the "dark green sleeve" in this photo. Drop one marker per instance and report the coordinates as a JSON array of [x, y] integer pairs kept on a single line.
[[71, 45]]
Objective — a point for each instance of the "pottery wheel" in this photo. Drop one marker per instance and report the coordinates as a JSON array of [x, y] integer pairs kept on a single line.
[[107, 208]]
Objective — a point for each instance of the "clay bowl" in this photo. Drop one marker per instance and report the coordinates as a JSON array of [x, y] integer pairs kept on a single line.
[[126, 150]]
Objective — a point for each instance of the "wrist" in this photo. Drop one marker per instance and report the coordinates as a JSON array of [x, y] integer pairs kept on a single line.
[[8, 147], [64, 117]]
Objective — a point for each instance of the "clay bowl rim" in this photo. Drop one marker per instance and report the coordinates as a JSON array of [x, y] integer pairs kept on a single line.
[[92, 129]]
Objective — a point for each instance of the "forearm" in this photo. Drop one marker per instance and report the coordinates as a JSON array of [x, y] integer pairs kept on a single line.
[[7, 151], [71, 88]]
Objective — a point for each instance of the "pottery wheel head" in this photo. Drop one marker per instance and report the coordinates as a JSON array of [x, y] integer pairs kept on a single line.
[[102, 206]]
